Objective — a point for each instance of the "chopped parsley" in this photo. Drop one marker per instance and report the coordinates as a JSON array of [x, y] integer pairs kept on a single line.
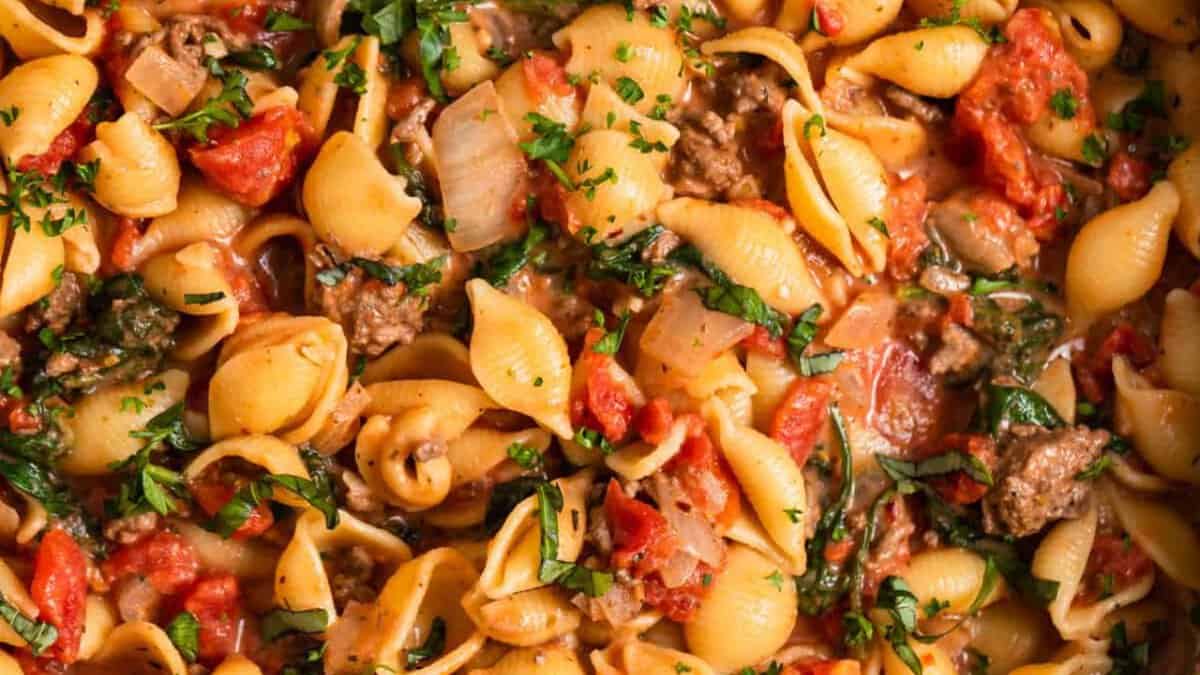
[[433, 646], [184, 633], [625, 262], [416, 277], [1064, 103], [551, 145], [279, 21], [816, 122], [802, 334], [610, 343], [353, 78], [227, 108], [10, 115], [203, 298], [592, 583], [526, 457], [280, 622], [629, 90], [1095, 150]]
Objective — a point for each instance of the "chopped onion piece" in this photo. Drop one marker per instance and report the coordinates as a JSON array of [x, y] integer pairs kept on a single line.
[[685, 336]]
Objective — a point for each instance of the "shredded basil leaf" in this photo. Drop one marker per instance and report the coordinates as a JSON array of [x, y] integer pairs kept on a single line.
[[184, 632], [283, 621]]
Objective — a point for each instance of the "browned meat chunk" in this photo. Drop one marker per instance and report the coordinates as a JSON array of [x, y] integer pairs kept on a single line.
[[186, 39], [374, 315], [1036, 482], [351, 572], [10, 350], [706, 160], [961, 354], [62, 306], [914, 105]]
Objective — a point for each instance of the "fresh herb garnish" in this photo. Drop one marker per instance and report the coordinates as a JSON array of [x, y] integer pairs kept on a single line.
[[1007, 406], [280, 622], [610, 343], [513, 257], [228, 108], [593, 583], [625, 263], [526, 457], [551, 145], [184, 633], [433, 647], [279, 21], [415, 277], [1064, 103], [203, 298], [728, 297], [37, 634]]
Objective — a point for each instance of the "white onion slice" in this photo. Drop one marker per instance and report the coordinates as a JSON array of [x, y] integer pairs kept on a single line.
[[685, 336]]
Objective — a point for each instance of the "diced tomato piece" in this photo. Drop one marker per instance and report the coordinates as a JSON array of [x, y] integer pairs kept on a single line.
[[33, 665], [800, 417], [59, 589], [602, 404], [165, 559], [20, 420], [958, 487], [1115, 563], [707, 479], [654, 420], [63, 147], [829, 21], [679, 604], [761, 341], [254, 162], [551, 197], [908, 400], [1094, 372], [960, 311], [824, 667], [766, 206], [214, 602], [544, 77], [211, 496], [246, 17], [1013, 90], [642, 539], [120, 254], [1128, 176], [404, 96], [906, 209]]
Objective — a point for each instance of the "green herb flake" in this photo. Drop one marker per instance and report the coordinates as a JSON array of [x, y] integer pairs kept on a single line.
[[184, 633]]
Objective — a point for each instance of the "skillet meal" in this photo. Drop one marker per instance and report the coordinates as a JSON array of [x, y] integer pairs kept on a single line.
[[515, 337]]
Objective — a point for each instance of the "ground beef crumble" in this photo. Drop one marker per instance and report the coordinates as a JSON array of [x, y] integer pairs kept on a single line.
[[374, 315]]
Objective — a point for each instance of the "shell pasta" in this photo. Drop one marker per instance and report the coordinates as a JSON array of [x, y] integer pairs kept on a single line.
[[565, 337]]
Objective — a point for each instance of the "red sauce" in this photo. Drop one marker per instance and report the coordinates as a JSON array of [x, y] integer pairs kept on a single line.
[[214, 602], [1114, 564], [59, 589], [959, 487], [603, 404], [544, 77], [828, 20], [800, 417], [1013, 90], [256, 161], [679, 604], [642, 540], [1093, 368], [62, 148], [906, 209], [212, 496], [761, 341]]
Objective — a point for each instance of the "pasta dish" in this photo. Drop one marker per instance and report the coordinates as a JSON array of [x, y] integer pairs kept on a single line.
[[600, 337]]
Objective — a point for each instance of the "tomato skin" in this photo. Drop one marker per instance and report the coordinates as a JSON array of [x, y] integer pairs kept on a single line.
[[165, 559], [642, 539], [906, 210], [63, 147], [254, 162], [1094, 371], [679, 604], [247, 292], [958, 487], [824, 667], [960, 311], [760, 341], [120, 254], [1128, 176], [799, 419], [544, 77], [214, 602], [59, 589], [212, 496], [603, 404], [830, 22], [706, 478], [654, 420], [909, 402]]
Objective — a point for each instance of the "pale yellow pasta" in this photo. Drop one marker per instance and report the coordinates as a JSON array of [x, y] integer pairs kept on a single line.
[[547, 660], [770, 479], [1057, 386], [655, 62], [896, 142], [948, 60], [1179, 69], [9, 665], [1090, 29], [481, 216], [246, 559], [389, 453], [951, 575], [139, 173], [477, 451], [1163, 424], [271, 454], [140, 648], [746, 529], [103, 420], [1137, 476], [237, 665], [795, 16], [513, 554], [1058, 137], [194, 271], [750, 246], [751, 594], [1079, 664], [376, 219], [1184, 174], [862, 19], [1180, 361], [934, 660], [1011, 634], [38, 254], [688, 390], [1062, 556], [513, 88], [202, 214], [1174, 21], [251, 240], [13, 589], [638, 460], [458, 405], [305, 360], [50, 93], [99, 620], [772, 379], [1170, 540], [775, 45], [519, 357], [429, 355], [632, 656], [524, 619], [472, 66], [423, 589], [31, 37], [620, 186], [300, 579], [604, 109], [987, 11], [1119, 254], [319, 92]]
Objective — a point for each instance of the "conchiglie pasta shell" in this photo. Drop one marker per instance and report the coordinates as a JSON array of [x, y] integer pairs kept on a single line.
[[604, 109], [750, 246], [514, 347], [1180, 359], [857, 183], [376, 219], [633, 656], [744, 598], [30, 37], [202, 214], [863, 20], [478, 450], [620, 206], [1164, 424], [548, 660], [237, 665], [50, 93], [245, 559], [139, 172], [101, 426], [1091, 30], [457, 405], [319, 92], [9, 665], [987, 11], [638, 460], [1180, 70], [524, 619], [1119, 254], [429, 356], [271, 454], [196, 269], [473, 67], [513, 88], [99, 620], [1184, 174], [1163, 533], [777, 46], [384, 452], [948, 60], [772, 378], [770, 479], [513, 555], [1174, 21], [300, 579], [423, 589], [952, 575], [140, 648], [1057, 386], [29, 270], [1011, 633], [655, 62]]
